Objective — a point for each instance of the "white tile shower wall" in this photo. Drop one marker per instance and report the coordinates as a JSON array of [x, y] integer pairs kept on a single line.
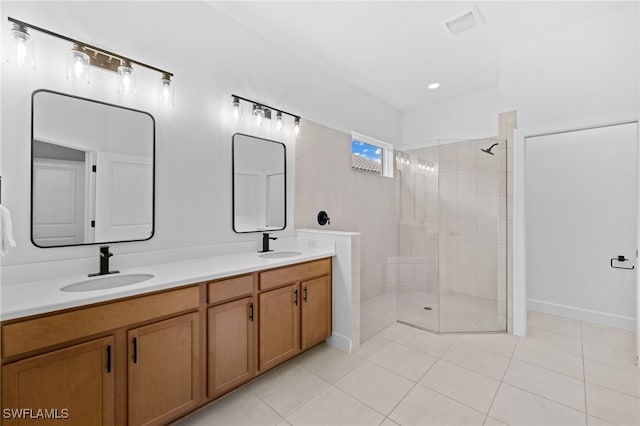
[[355, 202]]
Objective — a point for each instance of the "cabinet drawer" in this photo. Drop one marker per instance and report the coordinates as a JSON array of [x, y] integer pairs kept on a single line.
[[290, 274], [231, 288], [37, 333]]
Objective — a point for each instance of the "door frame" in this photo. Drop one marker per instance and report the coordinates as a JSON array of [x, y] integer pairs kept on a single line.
[[519, 213]]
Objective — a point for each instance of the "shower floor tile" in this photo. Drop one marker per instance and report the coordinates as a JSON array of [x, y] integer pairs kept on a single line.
[[458, 312]]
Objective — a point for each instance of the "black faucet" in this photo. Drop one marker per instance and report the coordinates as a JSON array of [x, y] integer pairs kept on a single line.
[[265, 242], [105, 254]]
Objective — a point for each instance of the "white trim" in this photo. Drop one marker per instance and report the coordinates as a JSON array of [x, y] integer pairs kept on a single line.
[[598, 317], [341, 342], [519, 214]]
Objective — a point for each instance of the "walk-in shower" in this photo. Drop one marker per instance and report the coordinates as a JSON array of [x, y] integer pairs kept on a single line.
[[450, 270]]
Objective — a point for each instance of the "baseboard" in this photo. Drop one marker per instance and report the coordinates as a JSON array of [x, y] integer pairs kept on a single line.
[[340, 342], [582, 314]]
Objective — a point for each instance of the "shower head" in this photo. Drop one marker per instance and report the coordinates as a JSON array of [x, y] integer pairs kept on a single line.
[[488, 150]]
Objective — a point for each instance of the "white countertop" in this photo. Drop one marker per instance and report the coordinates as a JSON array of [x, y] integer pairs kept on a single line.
[[37, 297]]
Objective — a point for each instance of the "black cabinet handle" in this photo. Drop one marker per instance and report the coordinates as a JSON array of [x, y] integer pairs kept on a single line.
[[295, 297], [108, 358], [304, 296], [251, 311], [135, 350]]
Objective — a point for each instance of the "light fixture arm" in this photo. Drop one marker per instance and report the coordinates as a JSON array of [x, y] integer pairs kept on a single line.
[[93, 51], [263, 105]]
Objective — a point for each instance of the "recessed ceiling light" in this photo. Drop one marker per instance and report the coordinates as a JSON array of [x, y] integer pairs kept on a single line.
[[433, 86]]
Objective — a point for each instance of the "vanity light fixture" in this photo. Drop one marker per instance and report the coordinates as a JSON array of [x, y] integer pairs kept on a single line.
[[126, 79], [21, 51], [263, 112], [84, 55], [296, 125], [433, 86], [259, 113], [78, 64], [236, 108], [166, 94]]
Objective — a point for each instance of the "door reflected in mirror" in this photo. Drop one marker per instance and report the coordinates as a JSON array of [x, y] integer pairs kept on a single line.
[[259, 184], [92, 168]]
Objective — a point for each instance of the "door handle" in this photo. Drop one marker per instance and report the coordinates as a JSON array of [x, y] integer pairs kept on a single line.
[[135, 350], [251, 311], [295, 297], [108, 358], [620, 258], [304, 297]]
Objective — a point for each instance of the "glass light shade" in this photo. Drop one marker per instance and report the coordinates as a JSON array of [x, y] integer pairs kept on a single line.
[[78, 65], [258, 112], [21, 50], [296, 125], [236, 109], [126, 80], [279, 122], [166, 93]]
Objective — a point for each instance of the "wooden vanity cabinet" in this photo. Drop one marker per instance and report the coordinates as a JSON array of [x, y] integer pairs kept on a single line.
[[297, 314], [231, 319], [315, 311], [79, 360], [150, 359], [279, 326], [77, 382], [163, 370]]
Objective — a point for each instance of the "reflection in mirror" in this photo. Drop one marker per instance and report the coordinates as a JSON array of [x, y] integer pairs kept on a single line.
[[92, 170], [259, 184]]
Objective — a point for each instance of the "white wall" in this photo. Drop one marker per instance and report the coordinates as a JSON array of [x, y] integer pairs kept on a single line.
[[212, 57], [581, 210], [586, 70], [468, 117]]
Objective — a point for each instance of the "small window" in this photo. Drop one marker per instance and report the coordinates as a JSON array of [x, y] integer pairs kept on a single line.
[[369, 155]]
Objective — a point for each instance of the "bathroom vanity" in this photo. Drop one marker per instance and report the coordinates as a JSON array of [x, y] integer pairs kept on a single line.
[[153, 357]]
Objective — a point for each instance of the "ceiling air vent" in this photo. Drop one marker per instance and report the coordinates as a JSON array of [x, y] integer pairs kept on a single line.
[[462, 21]]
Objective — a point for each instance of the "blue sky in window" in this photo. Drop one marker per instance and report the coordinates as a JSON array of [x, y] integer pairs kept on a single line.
[[365, 150]]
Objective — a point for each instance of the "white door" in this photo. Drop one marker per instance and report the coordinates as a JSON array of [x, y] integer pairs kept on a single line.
[[124, 197], [581, 214], [58, 202]]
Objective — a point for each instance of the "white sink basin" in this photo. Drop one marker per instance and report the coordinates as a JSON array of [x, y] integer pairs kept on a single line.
[[280, 254], [106, 282]]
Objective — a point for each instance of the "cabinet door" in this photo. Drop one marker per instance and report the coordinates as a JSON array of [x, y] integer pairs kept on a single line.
[[316, 311], [231, 346], [163, 370], [279, 326], [75, 383]]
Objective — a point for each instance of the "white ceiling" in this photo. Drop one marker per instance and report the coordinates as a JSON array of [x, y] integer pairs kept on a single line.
[[393, 50]]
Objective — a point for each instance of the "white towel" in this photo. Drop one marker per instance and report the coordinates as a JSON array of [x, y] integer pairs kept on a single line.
[[6, 231]]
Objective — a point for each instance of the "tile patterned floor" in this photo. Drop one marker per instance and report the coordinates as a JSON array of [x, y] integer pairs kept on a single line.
[[565, 372]]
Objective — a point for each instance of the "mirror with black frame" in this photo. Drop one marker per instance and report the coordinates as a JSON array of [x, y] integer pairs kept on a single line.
[[92, 172], [259, 184]]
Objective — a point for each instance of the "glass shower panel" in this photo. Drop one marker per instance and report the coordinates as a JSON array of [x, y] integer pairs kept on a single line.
[[415, 268], [472, 284]]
